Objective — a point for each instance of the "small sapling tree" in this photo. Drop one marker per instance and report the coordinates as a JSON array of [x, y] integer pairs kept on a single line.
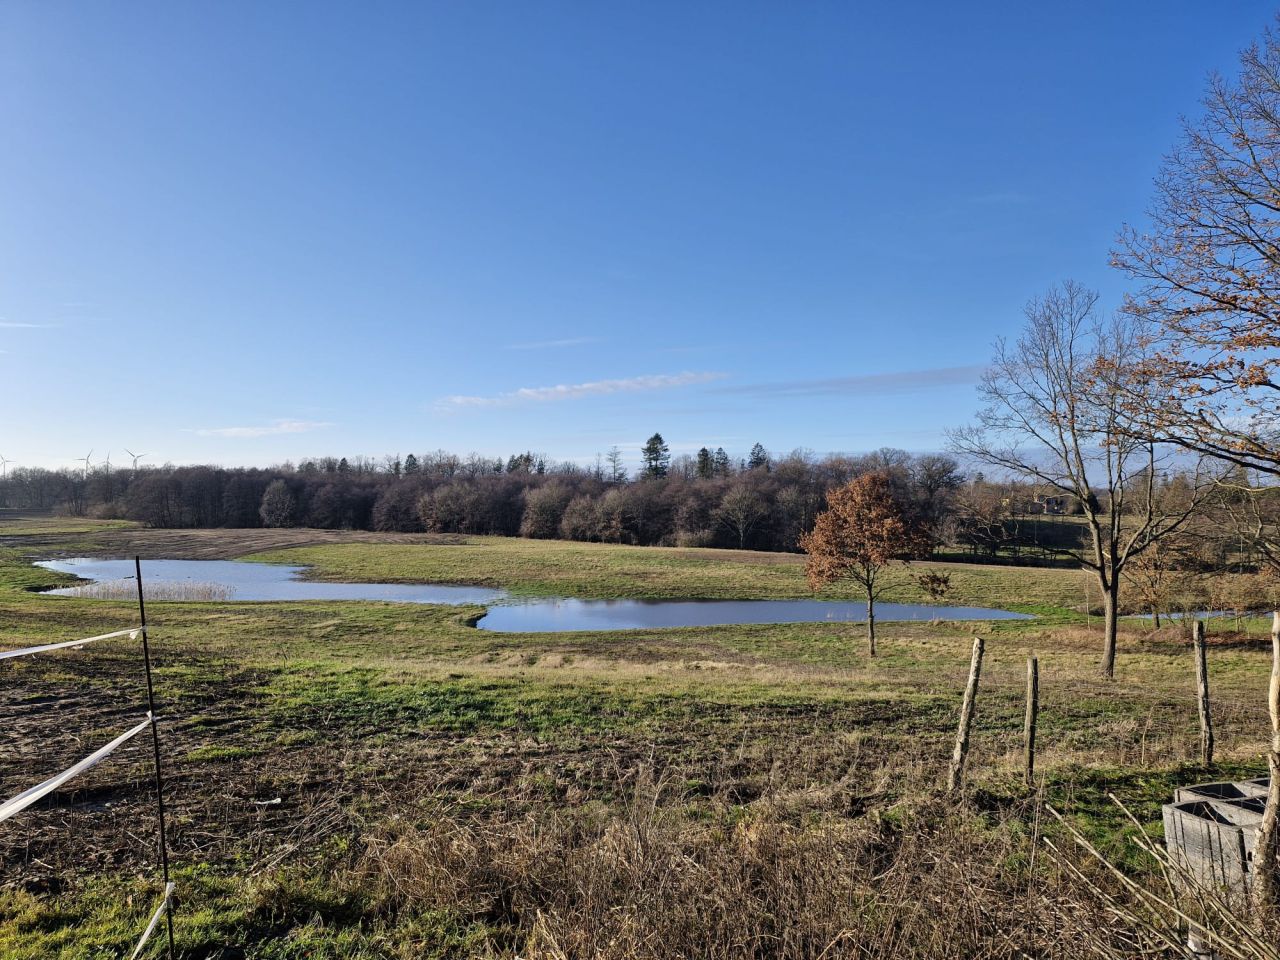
[[865, 531]]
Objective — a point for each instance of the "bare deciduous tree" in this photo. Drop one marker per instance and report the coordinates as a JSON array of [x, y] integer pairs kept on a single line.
[[1056, 416], [1210, 265], [1211, 270], [741, 511]]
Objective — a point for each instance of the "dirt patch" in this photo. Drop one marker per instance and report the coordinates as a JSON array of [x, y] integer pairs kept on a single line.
[[251, 782]]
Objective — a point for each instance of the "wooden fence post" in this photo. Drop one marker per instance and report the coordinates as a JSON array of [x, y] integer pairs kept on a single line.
[[956, 774], [1266, 886], [1029, 724], [1202, 693]]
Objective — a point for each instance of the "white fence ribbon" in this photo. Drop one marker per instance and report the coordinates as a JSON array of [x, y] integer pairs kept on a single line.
[[155, 918], [132, 634], [28, 797]]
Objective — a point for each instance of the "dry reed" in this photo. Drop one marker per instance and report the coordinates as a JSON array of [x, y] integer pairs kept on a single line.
[[190, 590]]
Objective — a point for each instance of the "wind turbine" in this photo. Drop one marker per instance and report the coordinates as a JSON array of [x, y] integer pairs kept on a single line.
[[4, 467], [85, 458], [136, 457]]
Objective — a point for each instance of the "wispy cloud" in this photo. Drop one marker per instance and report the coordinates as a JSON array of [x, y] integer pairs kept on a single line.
[[871, 384], [11, 325], [273, 429], [553, 344], [577, 391]]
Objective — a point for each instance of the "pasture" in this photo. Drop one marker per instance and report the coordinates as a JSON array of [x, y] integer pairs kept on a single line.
[[379, 780]]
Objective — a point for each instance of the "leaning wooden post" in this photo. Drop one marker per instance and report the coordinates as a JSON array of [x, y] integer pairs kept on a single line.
[[956, 774], [1266, 886], [1029, 724], [1202, 693]]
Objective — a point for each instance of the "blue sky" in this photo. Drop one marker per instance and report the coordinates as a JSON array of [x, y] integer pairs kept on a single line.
[[248, 232]]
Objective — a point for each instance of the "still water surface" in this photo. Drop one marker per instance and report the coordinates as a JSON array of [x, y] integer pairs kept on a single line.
[[267, 581], [264, 581], [553, 616]]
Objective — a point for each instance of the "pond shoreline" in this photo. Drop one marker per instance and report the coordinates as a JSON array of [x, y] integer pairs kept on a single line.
[[249, 581]]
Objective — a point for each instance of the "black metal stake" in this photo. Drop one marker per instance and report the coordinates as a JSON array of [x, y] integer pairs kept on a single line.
[[155, 746]]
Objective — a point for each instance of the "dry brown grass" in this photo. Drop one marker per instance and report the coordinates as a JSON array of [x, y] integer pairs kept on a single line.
[[936, 880], [644, 881]]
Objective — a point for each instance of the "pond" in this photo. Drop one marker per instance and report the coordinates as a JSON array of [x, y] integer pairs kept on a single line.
[[556, 615], [239, 580], [236, 580]]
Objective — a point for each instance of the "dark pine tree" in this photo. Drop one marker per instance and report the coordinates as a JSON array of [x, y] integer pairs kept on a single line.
[[720, 465], [657, 456], [705, 466]]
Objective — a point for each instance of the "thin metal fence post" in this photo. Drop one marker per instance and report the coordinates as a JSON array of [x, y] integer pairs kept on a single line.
[[155, 746], [1029, 723]]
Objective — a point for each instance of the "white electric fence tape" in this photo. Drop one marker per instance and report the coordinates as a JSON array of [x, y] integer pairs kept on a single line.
[[24, 651], [155, 918], [28, 797]]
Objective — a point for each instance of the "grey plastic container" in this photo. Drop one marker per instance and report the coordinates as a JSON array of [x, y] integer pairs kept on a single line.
[[1222, 790], [1211, 829]]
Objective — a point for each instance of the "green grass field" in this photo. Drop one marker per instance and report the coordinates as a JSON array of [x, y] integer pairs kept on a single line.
[[552, 567], [330, 764]]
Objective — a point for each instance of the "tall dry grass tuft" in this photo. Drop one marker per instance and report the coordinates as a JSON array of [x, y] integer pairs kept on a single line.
[[1117, 916], [647, 881]]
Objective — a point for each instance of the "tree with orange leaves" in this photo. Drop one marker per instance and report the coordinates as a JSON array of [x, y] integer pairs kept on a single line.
[[864, 531]]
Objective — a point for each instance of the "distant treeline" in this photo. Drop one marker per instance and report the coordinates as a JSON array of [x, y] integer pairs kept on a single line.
[[761, 502]]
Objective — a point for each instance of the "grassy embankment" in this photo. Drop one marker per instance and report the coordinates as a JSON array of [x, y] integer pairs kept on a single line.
[[445, 791]]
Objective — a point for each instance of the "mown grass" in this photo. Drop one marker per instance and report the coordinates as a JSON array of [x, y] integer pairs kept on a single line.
[[310, 730]]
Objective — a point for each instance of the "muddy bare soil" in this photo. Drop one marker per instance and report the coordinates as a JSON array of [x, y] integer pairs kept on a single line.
[[252, 784]]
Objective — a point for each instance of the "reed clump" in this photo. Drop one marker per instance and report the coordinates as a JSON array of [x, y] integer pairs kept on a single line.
[[127, 589]]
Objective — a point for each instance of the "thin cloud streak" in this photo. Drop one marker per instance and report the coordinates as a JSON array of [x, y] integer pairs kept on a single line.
[[553, 344], [871, 384], [273, 429], [577, 391], [11, 325]]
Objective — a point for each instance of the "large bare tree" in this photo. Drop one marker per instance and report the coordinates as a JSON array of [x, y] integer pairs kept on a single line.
[[1210, 272], [1209, 266], [1056, 416]]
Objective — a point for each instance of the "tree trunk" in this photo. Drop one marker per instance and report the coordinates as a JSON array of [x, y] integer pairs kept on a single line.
[[1110, 608], [871, 623], [1155, 617], [1266, 879]]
